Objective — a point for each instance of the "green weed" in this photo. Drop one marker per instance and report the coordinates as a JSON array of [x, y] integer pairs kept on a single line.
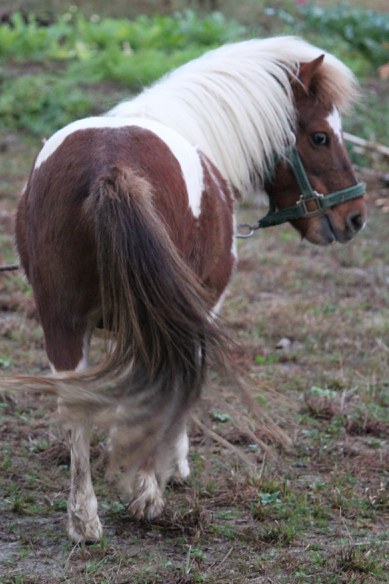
[[359, 34], [41, 104], [74, 37]]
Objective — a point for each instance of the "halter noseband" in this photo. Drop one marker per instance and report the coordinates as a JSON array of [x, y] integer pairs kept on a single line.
[[300, 209]]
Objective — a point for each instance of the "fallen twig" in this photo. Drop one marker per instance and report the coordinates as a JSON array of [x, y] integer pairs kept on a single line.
[[367, 144], [225, 443], [9, 267]]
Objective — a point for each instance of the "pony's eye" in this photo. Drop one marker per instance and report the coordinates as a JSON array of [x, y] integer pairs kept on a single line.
[[319, 139]]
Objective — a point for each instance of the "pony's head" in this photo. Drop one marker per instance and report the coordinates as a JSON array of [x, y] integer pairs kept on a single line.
[[332, 206]]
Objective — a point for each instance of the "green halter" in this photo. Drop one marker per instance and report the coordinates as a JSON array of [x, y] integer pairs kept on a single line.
[[300, 209]]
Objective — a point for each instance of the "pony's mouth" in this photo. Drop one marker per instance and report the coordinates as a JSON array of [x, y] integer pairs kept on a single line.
[[332, 233], [325, 232], [329, 232]]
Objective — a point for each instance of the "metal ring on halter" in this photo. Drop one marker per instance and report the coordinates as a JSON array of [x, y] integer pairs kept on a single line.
[[293, 140], [245, 230]]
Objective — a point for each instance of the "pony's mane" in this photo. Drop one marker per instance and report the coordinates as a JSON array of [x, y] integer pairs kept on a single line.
[[236, 102]]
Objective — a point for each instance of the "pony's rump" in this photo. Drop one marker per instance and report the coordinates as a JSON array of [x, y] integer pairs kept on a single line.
[[159, 315]]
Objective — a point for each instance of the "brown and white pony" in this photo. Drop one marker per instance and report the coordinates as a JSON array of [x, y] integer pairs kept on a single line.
[[127, 223]]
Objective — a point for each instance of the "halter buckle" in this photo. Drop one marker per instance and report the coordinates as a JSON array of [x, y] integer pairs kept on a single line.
[[303, 204]]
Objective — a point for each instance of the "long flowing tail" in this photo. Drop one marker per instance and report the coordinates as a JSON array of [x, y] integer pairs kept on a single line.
[[160, 318]]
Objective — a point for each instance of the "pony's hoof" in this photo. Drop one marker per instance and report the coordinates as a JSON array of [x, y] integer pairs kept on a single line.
[[147, 508], [146, 497], [89, 531]]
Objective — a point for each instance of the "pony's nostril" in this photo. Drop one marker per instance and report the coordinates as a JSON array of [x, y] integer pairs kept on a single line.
[[355, 221]]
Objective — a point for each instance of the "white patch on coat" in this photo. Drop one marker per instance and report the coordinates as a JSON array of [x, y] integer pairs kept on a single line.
[[186, 155], [218, 306], [182, 450], [335, 122], [52, 368], [234, 247], [83, 364], [84, 361], [213, 177]]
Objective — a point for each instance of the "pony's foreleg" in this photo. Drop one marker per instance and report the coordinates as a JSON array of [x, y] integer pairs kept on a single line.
[[83, 520]]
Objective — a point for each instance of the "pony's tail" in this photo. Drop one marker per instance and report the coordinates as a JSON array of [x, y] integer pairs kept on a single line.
[[161, 321]]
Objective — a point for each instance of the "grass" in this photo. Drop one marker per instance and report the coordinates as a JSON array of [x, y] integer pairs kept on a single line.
[[357, 33]]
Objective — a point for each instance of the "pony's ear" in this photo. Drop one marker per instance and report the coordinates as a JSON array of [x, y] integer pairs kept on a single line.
[[306, 74]]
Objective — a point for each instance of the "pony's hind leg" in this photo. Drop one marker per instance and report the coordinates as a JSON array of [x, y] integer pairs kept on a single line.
[[83, 521], [144, 491], [139, 486], [145, 494], [182, 450]]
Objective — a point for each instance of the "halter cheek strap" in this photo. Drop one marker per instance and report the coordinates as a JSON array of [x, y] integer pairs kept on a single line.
[[308, 195]]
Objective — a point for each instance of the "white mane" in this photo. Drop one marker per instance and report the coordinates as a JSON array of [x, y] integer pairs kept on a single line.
[[236, 103]]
